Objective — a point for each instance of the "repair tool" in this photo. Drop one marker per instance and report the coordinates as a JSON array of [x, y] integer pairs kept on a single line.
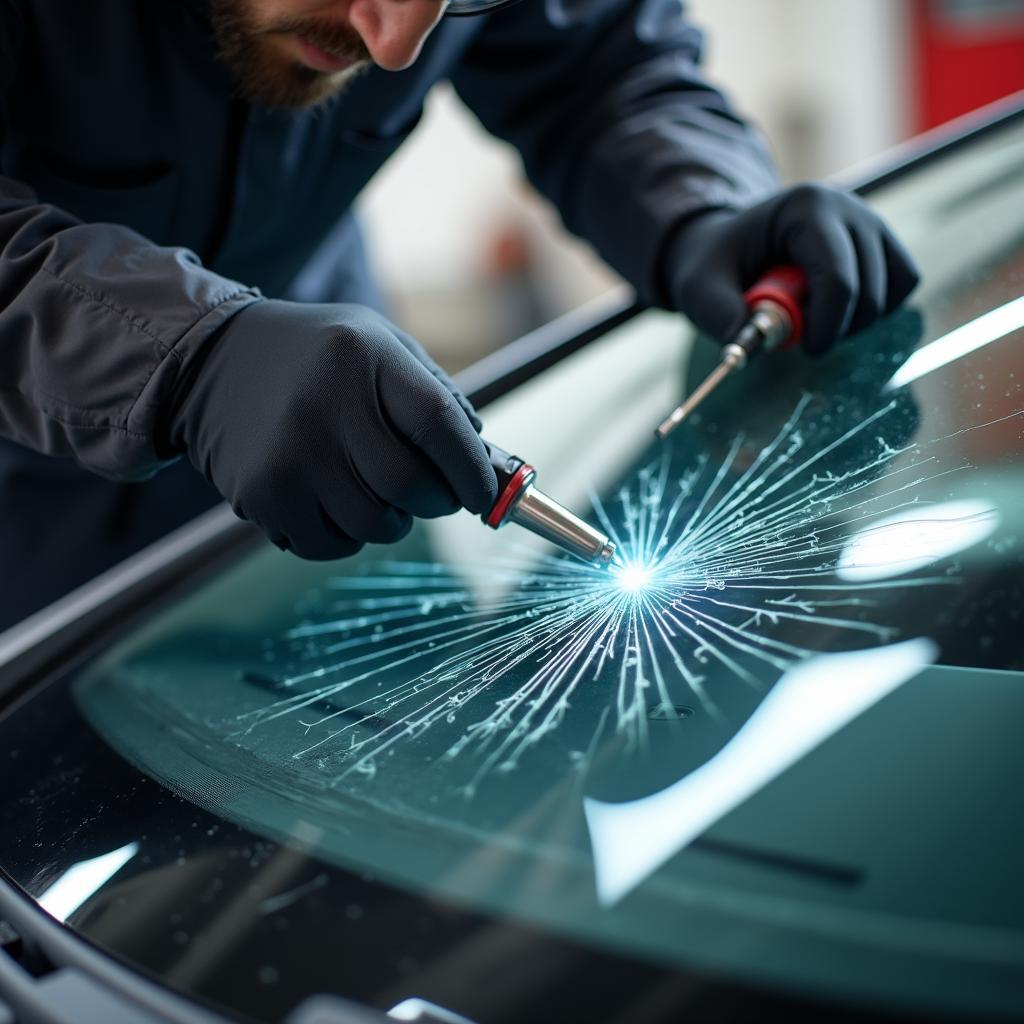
[[776, 323], [520, 502]]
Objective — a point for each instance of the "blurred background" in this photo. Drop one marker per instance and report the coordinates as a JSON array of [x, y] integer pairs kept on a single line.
[[473, 261]]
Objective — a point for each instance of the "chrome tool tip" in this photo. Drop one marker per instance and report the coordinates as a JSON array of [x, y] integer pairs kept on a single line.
[[733, 358], [604, 557], [668, 426]]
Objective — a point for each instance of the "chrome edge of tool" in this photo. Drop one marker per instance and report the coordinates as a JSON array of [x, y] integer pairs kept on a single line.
[[520, 502], [544, 516]]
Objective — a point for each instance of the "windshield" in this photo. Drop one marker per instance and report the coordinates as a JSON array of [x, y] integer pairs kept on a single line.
[[777, 741]]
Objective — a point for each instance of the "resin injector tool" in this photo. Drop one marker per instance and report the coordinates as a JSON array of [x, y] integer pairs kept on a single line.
[[520, 502], [776, 323]]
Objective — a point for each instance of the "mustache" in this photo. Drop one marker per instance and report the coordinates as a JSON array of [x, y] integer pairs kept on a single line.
[[340, 41]]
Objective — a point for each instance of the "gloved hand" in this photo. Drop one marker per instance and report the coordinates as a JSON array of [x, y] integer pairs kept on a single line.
[[327, 426], [856, 269]]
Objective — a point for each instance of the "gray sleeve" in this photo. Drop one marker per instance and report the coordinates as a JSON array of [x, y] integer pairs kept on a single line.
[[615, 121], [97, 325]]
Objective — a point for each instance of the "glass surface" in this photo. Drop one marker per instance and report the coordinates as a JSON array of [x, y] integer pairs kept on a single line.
[[778, 742]]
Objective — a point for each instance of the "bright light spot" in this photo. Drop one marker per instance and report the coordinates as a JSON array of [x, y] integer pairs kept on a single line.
[[813, 700], [420, 1009], [914, 538], [634, 578], [961, 342], [83, 879]]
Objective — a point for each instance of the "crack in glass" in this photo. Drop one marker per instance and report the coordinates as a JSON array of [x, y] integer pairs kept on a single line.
[[710, 565]]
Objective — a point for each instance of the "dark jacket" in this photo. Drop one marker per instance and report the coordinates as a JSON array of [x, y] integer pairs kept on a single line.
[[142, 204]]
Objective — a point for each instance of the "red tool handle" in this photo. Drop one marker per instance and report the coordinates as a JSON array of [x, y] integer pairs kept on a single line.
[[786, 287]]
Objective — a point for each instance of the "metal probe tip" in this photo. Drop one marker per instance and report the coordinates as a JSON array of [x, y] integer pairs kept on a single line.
[[520, 502], [545, 517], [733, 358]]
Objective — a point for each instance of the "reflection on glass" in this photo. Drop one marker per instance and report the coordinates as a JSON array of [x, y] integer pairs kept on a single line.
[[915, 538], [810, 703], [80, 881], [962, 342], [426, 1013]]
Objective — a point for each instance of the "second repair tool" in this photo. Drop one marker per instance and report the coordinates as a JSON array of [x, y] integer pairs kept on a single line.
[[776, 323]]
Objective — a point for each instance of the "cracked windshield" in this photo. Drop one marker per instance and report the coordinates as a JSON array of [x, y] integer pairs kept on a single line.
[[823, 554]]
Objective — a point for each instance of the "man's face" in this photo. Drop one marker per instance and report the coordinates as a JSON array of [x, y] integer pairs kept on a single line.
[[296, 53]]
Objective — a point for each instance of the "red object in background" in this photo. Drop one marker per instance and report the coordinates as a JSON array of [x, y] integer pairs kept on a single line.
[[967, 53]]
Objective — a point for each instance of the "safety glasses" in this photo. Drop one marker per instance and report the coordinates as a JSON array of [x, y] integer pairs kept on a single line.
[[467, 8]]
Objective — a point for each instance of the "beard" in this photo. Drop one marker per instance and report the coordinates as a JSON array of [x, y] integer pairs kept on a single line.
[[270, 78]]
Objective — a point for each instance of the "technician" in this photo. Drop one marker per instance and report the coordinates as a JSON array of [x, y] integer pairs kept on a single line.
[[180, 274]]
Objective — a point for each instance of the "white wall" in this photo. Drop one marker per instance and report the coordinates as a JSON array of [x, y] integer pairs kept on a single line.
[[471, 180], [827, 79]]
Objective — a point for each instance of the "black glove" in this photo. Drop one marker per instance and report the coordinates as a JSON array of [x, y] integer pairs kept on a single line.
[[328, 427], [856, 269]]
